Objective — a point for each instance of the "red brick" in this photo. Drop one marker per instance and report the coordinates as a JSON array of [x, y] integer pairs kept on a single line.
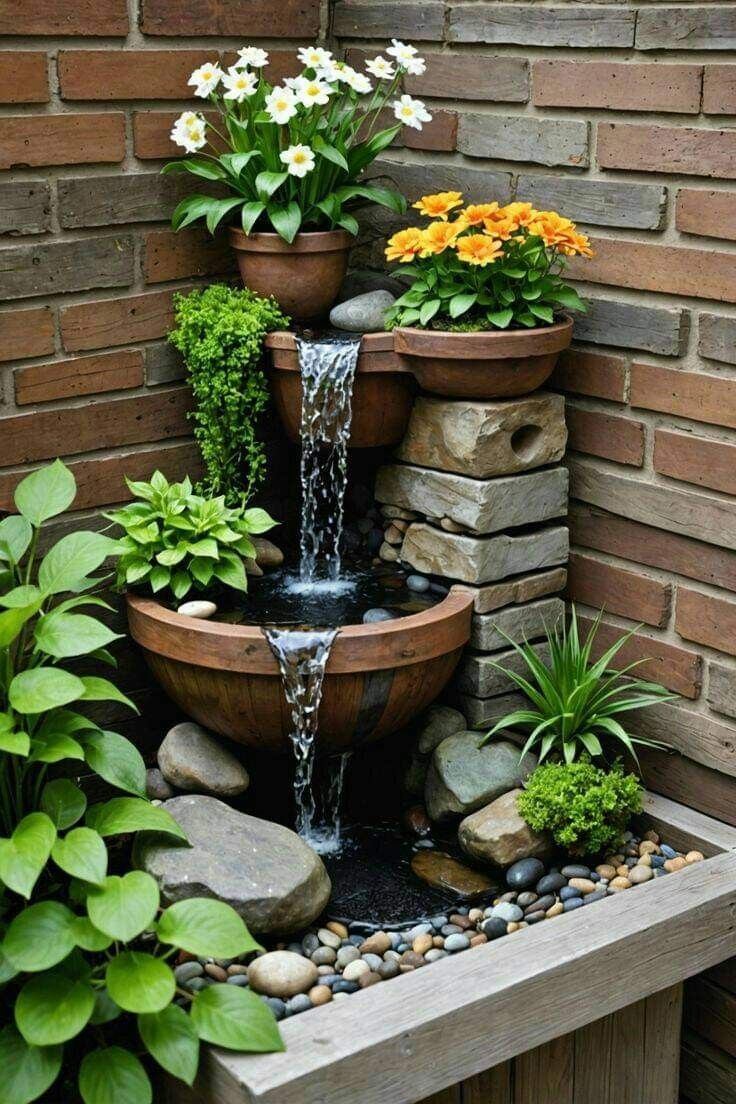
[[256, 18], [594, 374], [710, 214], [676, 668], [695, 459], [86, 138], [668, 268], [605, 435], [107, 423], [623, 87], [151, 130], [719, 89], [24, 77], [696, 395], [439, 134], [90, 375], [592, 582], [129, 74], [64, 17], [461, 76], [105, 322], [26, 333], [664, 149], [706, 620], [631, 540], [191, 252]]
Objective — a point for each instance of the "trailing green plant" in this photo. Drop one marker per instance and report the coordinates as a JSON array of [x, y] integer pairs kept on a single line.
[[85, 954], [220, 333], [574, 702], [175, 539], [585, 808]]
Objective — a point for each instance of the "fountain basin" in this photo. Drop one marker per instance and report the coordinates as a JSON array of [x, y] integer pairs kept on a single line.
[[383, 390], [378, 676]]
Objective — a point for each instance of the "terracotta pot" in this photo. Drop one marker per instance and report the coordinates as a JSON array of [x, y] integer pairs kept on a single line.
[[383, 390], [303, 277], [489, 365], [378, 678]]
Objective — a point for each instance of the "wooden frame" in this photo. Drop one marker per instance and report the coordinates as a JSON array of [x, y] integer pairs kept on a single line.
[[401, 1042]]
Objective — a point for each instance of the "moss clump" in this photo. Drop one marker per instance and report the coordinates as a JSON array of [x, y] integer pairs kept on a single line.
[[586, 809]]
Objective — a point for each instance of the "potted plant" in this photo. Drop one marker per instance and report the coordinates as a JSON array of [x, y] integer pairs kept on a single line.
[[293, 158], [483, 316]]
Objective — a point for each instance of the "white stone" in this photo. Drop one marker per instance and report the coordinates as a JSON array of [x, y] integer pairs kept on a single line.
[[199, 608], [282, 974]]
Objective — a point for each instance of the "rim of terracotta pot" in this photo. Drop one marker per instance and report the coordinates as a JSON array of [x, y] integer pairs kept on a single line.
[[415, 638], [308, 241], [376, 353], [485, 344]]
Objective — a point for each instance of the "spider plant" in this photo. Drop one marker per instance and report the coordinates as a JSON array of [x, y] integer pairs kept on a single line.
[[574, 702]]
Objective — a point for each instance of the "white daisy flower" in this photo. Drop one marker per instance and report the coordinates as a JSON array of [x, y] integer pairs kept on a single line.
[[281, 104], [411, 112], [401, 51], [253, 56], [206, 79], [330, 71], [298, 159], [359, 83], [189, 132], [344, 72], [309, 92], [415, 66], [381, 67], [314, 57], [239, 83]]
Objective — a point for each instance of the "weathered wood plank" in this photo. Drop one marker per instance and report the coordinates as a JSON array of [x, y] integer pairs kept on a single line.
[[592, 1061], [545, 1075], [627, 1058], [687, 829], [708, 1075], [684, 780], [711, 1011], [663, 1018], [493, 1086]]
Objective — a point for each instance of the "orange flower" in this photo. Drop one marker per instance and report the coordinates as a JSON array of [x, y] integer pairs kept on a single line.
[[475, 214], [439, 205], [438, 237], [501, 228], [478, 249], [521, 214], [576, 244], [405, 245]]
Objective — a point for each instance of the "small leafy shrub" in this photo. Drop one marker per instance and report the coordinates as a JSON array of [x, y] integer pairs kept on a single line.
[[585, 808], [574, 702], [87, 985], [175, 539], [484, 267], [220, 333]]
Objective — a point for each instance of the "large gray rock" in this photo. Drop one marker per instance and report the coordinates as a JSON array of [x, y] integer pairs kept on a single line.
[[498, 833], [491, 631], [270, 877], [364, 313], [439, 722], [482, 559], [192, 760], [462, 776]]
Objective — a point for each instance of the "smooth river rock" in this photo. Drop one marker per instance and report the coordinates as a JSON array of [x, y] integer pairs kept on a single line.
[[363, 313], [498, 833], [443, 872], [282, 974], [439, 722], [193, 760], [462, 776], [270, 877]]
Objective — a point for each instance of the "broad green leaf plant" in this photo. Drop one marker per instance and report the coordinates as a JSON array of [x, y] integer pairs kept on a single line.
[[175, 539], [574, 702], [291, 155], [85, 952]]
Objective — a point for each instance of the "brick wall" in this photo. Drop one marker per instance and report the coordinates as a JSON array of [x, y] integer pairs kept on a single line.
[[620, 115]]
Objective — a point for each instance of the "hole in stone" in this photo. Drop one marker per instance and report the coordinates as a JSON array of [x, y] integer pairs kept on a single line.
[[526, 441]]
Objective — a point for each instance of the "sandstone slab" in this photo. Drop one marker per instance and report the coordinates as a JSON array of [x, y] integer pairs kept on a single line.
[[526, 588], [482, 559], [478, 674], [484, 439], [498, 833], [490, 631], [192, 760], [482, 713], [463, 776], [443, 872]]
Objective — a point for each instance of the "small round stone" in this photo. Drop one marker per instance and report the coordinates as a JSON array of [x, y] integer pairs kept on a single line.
[[605, 870], [417, 583], [540, 905], [551, 883], [237, 968], [200, 609], [438, 921], [455, 943], [339, 929], [374, 961], [378, 943], [572, 903], [323, 956], [569, 892], [618, 883], [277, 1006], [422, 944], [342, 985], [188, 970], [310, 943], [450, 929], [320, 994], [667, 851], [390, 969], [297, 1004], [215, 971], [475, 915], [368, 979], [282, 974], [199, 983], [239, 980], [524, 874], [675, 864], [576, 870], [478, 939], [555, 909], [646, 847], [583, 884], [658, 861], [508, 912], [494, 927], [599, 895], [347, 954], [373, 616], [328, 938], [526, 898], [353, 970], [435, 954], [694, 856], [640, 874]]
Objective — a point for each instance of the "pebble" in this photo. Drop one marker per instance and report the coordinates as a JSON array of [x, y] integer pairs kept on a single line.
[[572, 903], [328, 938], [371, 978], [215, 971], [237, 979], [423, 943], [281, 974], [277, 1006], [353, 970], [526, 898], [599, 895], [675, 864], [450, 929], [200, 609], [569, 892], [418, 583], [438, 921], [390, 969], [373, 616], [198, 983], [576, 871], [494, 927], [606, 871], [555, 909], [524, 873], [618, 883], [508, 912], [378, 943], [456, 943], [187, 971], [339, 929], [550, 883], [658, 861], [323, 956], [297, 1004], [347, 954], [310, 943], [583, 884], [540, 905], [694, 856], [668, 852], [342, 985], [640, 874], [320, 994], [435, 954], [373, 960], [237, 968]]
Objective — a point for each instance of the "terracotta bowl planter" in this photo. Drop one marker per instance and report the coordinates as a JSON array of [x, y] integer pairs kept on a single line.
[[378, 677], [383, 391], [490, 365], [304, 277]]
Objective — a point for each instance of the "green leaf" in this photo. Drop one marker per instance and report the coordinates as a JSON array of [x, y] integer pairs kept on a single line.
[[124, 907], [45, 493], [250, 214], [82, 853], [197, 166], [546, 314], [232, 573], [116, 760], [12, 621], [63, 802], [568, 297], [53, 748], [73, 558], [14, 742], [113, 1076], [140, 982], [235, 1018], [385, 197], [236, 162], [52, 1008], [459, 304], [25, 854], [349, 223], [258, 520], [500, 318], [330, 153], [285, 220], [428, 310], [131, 814], [28, 1071], [171, 1038], [218, 209], [43, 688], [106, 1009], [39, 937], [101, 689], [15, 536], [64, 635], [207, 928], [268, 182], [87, 936], [21, 596]]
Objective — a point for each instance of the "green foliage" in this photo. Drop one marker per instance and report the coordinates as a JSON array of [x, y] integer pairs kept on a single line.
[[575, 701], [71, 960], [220, 333], [175, 539], [585, 808]]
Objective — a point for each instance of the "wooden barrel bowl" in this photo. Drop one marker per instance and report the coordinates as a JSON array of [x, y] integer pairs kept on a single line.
[[378, 676], [383, 391]]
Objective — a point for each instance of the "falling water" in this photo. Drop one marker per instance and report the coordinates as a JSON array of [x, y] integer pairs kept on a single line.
[[327, 372]]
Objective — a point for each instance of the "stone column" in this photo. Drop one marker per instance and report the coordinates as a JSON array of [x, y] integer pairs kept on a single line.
[[478, 496]]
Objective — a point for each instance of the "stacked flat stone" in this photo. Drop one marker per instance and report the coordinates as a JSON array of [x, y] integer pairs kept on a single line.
[[479, 497]]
